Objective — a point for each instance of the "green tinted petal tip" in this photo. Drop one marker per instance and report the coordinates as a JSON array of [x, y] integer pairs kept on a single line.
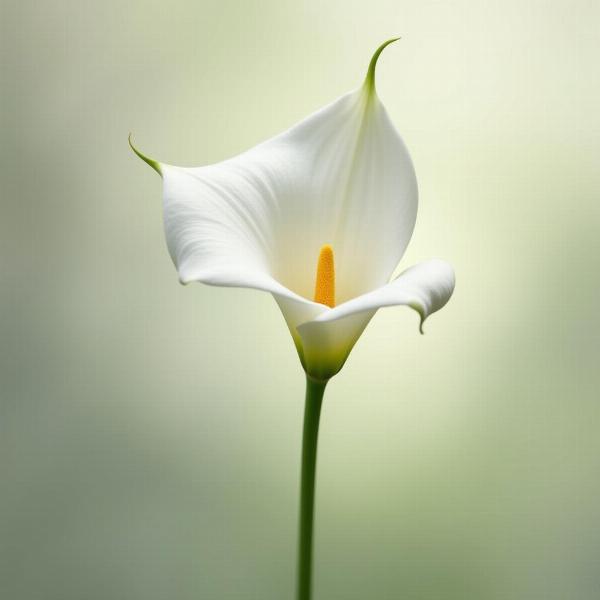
[[149, 161], [422, 316], [370, 78]]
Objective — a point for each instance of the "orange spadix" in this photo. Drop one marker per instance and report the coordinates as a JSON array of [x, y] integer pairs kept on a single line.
[[325, 282]]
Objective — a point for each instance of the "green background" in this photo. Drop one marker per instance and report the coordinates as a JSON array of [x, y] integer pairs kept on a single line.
[[150, 433]]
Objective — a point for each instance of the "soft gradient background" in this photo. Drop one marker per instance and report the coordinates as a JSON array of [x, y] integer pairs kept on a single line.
[[150, 433]]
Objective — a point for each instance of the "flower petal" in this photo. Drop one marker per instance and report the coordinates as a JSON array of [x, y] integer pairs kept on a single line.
[[328, 339], [341, 177]]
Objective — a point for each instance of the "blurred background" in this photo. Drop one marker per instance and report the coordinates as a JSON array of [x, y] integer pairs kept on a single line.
[[150, 433]]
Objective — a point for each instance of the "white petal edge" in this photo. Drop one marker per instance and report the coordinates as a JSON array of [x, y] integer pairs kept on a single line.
[[330, 336]]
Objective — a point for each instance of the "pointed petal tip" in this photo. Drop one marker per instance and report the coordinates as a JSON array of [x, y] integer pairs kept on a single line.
[[422, 316], [184, 281], [149, 161], [370, 78]]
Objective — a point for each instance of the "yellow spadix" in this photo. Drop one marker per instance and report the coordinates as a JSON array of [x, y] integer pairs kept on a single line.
[[325, 282]]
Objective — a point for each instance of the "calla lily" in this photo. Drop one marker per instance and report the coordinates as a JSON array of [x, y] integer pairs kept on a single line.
[[319, 216], [340, 178]]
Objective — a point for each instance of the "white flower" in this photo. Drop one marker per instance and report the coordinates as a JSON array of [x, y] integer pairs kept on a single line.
[[336, 191]]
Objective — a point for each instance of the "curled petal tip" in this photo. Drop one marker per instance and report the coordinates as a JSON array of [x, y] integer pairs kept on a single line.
[[422, 316], [370, 78], [149, 161]]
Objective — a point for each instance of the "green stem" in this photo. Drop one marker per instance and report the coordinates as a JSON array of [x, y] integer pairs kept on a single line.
[[312, 411]]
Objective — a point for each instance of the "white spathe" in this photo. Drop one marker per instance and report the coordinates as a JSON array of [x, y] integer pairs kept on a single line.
[[342, 177]]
